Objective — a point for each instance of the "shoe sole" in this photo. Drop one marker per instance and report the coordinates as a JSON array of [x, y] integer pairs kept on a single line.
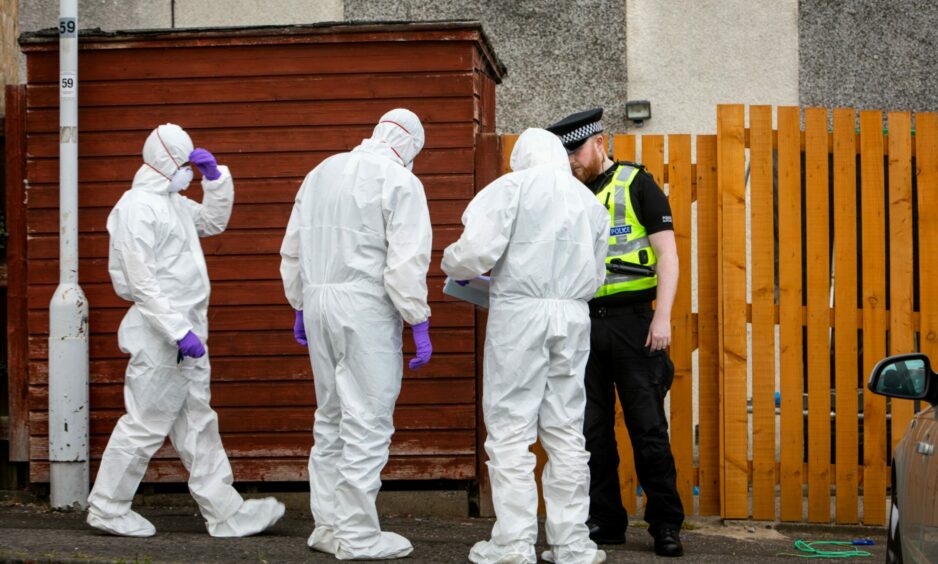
[[119, 534]]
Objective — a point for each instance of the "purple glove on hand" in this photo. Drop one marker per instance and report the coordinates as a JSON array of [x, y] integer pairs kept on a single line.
[[205, 162], [190, 345], [299, 330], [465, 282], [422, 344]]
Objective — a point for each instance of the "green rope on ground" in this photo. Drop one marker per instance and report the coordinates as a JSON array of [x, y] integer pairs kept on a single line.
[[808, 550]]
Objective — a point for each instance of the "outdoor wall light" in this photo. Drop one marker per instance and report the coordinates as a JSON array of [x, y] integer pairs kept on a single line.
[[638, 111]]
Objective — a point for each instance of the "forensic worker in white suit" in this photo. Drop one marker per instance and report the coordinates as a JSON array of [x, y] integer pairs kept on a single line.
[[544, 236], [155, 261], [354, 267]]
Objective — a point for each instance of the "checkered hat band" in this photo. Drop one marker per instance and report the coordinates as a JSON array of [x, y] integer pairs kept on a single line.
[[582, 132]]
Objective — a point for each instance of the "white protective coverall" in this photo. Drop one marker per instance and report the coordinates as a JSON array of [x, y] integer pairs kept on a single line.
[[544, 236], [156, 262], [355, 259]]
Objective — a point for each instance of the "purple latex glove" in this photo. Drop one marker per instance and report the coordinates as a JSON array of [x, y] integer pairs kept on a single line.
[[464, 282], [190, 345], [422, 344], [299, 330], [205, 162]]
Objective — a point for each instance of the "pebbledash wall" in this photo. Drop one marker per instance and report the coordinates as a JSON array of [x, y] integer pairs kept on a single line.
[[683, 56], [271, 103]]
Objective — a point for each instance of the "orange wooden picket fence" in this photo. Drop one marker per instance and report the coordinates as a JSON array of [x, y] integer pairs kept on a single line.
[[799, 271]]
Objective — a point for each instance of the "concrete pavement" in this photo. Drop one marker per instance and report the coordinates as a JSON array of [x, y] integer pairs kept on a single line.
[[31, 532]]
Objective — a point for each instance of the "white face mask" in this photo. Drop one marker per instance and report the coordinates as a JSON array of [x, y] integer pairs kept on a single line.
[[181, 179]]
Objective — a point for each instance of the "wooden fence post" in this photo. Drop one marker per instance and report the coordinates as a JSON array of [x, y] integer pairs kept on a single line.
[[731, 176], [845, 314], [708, 364], [682, 390], [763, 313], [901, 261], [623, 149], [926, 158], [874, 313], [818, 276], [790, 313]]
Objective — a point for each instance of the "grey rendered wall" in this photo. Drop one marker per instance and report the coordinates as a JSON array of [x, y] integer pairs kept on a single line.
[[561, 56], [105, 14], [9, 62], [113, 15], [869, 54], [131, 14], [207, 13], [685, 57]]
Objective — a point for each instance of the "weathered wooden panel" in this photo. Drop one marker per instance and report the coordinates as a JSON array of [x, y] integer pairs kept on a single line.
[[271, 393], [264, 445], [261, 89], [17, 268], [251, 292], [235, 242], [294, 469], [247, 191], [251, 369], [246, 165], [248, 216], [255, 343], [184, 63], [708, 328], [237, 318], [255, 114], [289, 419]]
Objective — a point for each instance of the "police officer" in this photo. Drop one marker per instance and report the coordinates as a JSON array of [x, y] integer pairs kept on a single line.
[[629, 339]]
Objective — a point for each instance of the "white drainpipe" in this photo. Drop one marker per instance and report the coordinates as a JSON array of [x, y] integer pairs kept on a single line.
[[68, 311]]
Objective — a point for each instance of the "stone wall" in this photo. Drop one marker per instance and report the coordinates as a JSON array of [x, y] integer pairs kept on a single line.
[[561, 56], [869, 54], [9, 61]]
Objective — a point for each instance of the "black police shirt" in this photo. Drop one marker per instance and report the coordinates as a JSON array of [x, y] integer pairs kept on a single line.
[[652, 210]]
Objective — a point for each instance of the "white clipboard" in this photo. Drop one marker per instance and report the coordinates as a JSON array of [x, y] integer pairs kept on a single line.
[[475, 292]]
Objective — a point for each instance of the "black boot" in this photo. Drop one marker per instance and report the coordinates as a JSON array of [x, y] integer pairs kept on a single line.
[[668, 542], [605, 535]]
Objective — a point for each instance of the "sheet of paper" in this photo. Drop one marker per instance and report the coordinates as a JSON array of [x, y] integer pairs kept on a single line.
[[475, 292]]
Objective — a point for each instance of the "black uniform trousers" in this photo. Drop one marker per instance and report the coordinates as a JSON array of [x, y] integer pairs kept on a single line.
[[619, 362]]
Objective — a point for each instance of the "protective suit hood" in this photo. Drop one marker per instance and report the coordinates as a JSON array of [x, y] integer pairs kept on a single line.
[[538, 147], [165, 150], [398, 136]]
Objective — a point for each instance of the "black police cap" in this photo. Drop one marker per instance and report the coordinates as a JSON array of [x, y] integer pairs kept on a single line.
[[575, 129]]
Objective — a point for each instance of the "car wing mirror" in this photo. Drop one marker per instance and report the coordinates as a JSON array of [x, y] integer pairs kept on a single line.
[[906, 376]]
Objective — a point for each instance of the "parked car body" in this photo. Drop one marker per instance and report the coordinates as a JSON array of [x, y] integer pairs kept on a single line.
[[913, 519]]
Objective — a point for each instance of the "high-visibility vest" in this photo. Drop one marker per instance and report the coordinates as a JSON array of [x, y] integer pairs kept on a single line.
[[628, 239]]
